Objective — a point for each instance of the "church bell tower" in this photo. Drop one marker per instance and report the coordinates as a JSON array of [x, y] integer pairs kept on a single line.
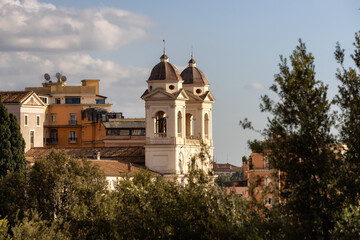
[[178, 112]]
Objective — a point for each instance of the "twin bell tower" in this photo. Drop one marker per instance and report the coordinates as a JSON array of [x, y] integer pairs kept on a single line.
[[178, 112]]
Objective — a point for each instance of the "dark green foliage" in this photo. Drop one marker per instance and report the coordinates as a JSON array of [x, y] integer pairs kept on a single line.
[[32, 226], [17, 144], [349, 101], [256, 146], [302, 147], [148, 209], [13, 200], [62, 197], [59, 183], [348, 224], [6, 163]]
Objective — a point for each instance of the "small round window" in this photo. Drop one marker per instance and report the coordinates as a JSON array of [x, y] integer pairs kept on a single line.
[[198, 91], [171, 87]]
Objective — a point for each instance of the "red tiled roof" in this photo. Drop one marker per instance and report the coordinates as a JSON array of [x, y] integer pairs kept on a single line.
[[14, 96], [226, 167], [116, 168], [133, 154]]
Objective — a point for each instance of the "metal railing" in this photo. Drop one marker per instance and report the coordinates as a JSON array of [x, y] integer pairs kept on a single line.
[[72, 140], [51, 140], [72, 122], [160, 135]]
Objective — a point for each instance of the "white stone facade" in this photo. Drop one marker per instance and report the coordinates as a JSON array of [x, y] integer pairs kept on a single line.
[[178, 122], [30, 114]]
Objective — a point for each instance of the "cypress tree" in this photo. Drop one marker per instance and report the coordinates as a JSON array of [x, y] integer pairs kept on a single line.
[[348, 100], [17, 144], [302, 147], [6, 157]]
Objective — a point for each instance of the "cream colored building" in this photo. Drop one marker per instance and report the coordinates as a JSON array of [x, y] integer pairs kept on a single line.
[[29, 110], [178, 118]]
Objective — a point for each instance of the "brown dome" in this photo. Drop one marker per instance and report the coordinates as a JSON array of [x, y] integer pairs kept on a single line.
[[193, 75], [164, 70]]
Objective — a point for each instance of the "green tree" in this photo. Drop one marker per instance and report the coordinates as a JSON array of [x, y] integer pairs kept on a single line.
[[348, 224], [6, 163], [59, 184], [17, 144], [33, 227], [348, 100], [13, 197], [302, 147]]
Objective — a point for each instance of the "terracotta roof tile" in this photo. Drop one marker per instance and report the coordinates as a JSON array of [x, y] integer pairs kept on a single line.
[[116, 168], [133, 154], [226, 167], [14, 96]]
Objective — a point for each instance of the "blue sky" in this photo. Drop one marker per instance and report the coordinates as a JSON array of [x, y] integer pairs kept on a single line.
[[236, 44]]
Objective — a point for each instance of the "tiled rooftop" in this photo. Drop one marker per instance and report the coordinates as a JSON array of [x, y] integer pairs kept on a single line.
[[133, 154], [14, 96]]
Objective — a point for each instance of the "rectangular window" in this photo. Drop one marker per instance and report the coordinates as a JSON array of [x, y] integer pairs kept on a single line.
[[44, 99], [111, 132], [72, 120], [138, 132], [72, 100], [57, 101], [32, 138], [99, 101], [26, 118], [124, 132], [47, 117], [38, 120], [53, 117], [72, 137]]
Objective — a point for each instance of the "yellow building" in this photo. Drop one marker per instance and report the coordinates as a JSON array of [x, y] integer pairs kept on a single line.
[[64, 123]]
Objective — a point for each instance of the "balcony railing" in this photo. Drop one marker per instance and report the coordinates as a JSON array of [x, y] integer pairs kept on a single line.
[[72, 122], [72, 140], [51, 140], [160, 135]]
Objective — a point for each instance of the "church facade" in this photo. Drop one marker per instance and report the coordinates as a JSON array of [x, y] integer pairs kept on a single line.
[[178, 113]]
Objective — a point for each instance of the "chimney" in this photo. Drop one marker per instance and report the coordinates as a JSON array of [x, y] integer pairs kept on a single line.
[[96, 155]]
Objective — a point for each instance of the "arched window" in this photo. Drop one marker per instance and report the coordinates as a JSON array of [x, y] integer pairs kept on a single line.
[[179, 124], [189, 125], [206, 125], [160, 124]]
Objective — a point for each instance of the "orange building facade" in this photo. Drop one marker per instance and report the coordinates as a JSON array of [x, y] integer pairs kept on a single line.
[[77, 116], [262, 178]]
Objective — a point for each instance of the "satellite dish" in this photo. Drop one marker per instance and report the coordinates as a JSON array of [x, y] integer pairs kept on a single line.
[[47, 77], [63, 78], [58, 75]]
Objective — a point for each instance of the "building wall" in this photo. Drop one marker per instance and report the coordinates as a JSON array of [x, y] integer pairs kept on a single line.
[[31, 111], [264, 177], [87, 133]]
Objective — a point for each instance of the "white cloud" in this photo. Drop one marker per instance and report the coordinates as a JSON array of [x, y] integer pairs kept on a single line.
[[122, 85], [255, 86], [39, 37], [32, 26]]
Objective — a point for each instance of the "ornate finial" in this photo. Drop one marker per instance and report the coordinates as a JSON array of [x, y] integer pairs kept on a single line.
[[164, 46], [192, 52], [192, 62], [164, 58]]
